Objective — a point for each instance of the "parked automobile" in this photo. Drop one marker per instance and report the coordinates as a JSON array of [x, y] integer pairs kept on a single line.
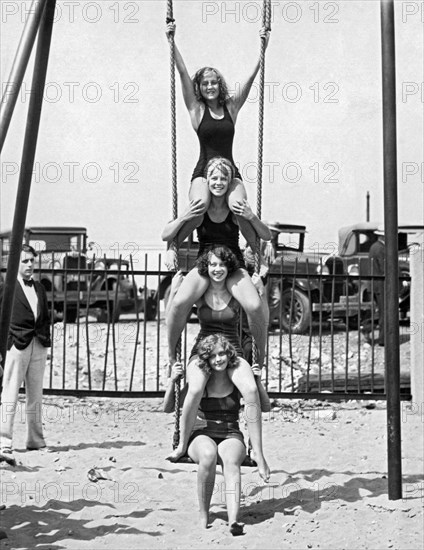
[[307, 287], [75, 283], [354, 245]]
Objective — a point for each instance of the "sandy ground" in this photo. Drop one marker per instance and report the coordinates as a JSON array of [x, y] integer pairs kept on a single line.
[[328, 488]]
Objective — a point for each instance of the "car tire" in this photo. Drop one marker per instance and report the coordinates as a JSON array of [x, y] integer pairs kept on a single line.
[[299, 313], [71, 315], [150, 308], [114, 313]]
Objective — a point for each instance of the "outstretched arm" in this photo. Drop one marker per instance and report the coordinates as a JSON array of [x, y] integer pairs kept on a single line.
[[190, 99], [242, 93]]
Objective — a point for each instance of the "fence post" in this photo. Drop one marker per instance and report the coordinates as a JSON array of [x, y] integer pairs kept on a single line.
[[417, 324]]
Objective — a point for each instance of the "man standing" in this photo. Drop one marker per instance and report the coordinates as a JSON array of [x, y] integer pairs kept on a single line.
[[377, 266], [28, 340]]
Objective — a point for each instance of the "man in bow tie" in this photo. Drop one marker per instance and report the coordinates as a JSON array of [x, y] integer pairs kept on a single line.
[[28, 340]]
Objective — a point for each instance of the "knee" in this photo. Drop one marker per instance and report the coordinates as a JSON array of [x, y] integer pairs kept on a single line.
[[254, 307], [181, 304], [208, 458]]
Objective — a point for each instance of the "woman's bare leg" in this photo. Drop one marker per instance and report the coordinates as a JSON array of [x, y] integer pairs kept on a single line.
[[242, 377], [240, 285], [191, 289], [237, 192], [231, 453], [203, 451], [199, 190]]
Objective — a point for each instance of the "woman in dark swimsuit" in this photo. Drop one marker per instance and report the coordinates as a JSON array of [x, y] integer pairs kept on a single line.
[[216, 438], [217, 226], [213, 113]]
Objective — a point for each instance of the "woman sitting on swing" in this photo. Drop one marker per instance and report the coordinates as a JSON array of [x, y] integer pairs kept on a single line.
[[217, 437], [213, 113], [217, 226]]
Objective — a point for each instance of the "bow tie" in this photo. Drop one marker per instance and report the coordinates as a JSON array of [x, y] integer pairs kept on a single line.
[[28, 282]]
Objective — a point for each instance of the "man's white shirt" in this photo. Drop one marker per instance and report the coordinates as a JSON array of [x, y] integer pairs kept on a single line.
[[31, 295]]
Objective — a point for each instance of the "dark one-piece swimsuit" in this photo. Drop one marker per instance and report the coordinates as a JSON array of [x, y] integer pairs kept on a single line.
[[216, 140], [221, 415], [226, 233]]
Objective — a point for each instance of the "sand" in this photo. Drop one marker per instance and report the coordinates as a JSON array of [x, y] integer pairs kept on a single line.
[[328, 488]]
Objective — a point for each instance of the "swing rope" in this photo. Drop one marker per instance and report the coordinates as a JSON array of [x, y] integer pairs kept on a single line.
[[266, 19], [266, 22], [174, 247]]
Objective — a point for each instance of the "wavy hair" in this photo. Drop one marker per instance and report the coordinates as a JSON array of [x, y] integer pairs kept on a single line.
[[224, 254], [223, 95], [222, 164], [207, 345]]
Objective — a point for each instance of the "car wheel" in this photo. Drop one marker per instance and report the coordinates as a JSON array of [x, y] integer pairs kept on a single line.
[[114, 313], [296, 314], [150, 308], [71, 315]]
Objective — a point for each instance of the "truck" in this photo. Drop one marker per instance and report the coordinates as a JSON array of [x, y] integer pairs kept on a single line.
[[354, 242], [76, 283]]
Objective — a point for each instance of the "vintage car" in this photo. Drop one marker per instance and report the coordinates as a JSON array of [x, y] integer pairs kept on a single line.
[[74, 283], [306, 282], [354, 245]]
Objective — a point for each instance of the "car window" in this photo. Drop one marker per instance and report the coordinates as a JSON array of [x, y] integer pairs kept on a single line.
[[351, 245], [289, 240], [55, 242], [365, 241]]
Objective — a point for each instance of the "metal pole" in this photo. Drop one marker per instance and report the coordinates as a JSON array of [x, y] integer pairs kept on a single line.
[[27, 164], [13, 85], [368, 207], [391, 324]]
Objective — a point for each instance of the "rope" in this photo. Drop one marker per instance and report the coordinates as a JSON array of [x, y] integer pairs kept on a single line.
[[266, 22], [170, 19]]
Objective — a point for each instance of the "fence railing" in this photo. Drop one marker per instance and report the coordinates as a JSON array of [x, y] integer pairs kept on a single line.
[[109, 334]]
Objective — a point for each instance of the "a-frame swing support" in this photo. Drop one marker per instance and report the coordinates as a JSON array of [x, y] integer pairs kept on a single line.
[[41, 15], [41, 18]]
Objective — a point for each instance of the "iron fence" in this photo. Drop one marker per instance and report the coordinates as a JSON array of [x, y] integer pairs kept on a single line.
[[109, 338]]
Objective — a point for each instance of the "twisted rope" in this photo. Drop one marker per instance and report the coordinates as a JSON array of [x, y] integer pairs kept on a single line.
[[266, 22], [174, 247]]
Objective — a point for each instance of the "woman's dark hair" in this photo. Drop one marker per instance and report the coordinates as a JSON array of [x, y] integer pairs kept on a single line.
[[224, 254], [222, 164], [207, 345], [223, 88]]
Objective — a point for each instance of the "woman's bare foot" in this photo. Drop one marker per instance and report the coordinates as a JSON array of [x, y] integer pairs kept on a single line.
[[236, 529], [203, 520]]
